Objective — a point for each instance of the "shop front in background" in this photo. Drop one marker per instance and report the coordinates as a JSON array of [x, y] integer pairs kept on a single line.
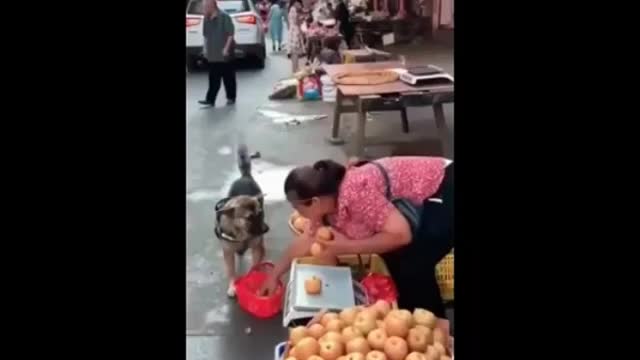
[[442, 20], [410, 18]]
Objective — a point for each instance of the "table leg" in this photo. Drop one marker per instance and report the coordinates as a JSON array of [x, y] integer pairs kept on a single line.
[[335, 139], [360, 130], [443, 130], [405, 121]]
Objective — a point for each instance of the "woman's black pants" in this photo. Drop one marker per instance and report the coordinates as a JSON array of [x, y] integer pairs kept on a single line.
[[413, 267]]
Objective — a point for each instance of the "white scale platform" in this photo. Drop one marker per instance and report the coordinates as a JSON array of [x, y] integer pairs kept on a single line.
[[339, 291]]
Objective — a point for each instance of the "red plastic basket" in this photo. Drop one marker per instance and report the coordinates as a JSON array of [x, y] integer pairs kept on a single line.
[[380, 287], [247, 288]]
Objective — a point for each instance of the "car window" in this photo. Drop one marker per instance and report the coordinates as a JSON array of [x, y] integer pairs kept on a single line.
[[233, 6], [229, 6], [195, 8]]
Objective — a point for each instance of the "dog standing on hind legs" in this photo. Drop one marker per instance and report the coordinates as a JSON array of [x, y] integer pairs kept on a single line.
[[240, 220]]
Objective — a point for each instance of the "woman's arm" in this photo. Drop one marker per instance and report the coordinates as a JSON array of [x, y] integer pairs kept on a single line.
[[229, 30], [298, 248], [394, 234]]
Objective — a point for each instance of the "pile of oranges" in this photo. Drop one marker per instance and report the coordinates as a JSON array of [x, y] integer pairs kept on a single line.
[[376, 332]]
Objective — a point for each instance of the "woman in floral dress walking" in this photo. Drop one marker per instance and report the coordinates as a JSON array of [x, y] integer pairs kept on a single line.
[[295, 34]]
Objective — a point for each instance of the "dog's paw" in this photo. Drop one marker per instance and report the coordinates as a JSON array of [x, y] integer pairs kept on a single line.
[[231, 291]]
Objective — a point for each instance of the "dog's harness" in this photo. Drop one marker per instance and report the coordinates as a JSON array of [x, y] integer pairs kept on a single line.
[[218, 230]]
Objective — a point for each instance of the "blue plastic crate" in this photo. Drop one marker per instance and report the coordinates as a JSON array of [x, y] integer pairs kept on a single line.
[[279, 353]]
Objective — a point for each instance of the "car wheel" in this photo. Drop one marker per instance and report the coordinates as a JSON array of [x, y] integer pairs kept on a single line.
[[260, 62], [261, 58]]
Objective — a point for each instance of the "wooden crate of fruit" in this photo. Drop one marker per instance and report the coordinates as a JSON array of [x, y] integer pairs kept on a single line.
[[444, 269], [376, 332]]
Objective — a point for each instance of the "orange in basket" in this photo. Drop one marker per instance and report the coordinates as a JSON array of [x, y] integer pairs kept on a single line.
[[247, 288]]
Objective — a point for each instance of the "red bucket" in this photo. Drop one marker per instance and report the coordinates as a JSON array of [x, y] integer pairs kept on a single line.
[[247, 288]]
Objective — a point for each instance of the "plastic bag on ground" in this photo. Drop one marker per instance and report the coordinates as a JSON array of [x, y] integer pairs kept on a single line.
[[284, 89]]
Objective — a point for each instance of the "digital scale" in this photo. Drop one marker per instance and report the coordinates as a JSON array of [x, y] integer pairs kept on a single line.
[[339, 291], [425, 75]]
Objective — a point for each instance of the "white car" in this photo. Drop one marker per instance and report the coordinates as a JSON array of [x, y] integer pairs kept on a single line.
[[249, 34]]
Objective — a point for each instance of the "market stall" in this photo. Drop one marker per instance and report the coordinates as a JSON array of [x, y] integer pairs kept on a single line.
[[400, 20], [317, 33], [375, 332], [348, 310], [391, 95], [342, 322]]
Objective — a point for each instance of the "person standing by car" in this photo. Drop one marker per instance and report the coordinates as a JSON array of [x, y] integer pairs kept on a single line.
[[276, 18], [218, 33]]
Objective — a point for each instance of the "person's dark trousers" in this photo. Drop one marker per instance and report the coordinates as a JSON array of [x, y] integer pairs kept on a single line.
[[413, 267], [226, 72], [347, 32]]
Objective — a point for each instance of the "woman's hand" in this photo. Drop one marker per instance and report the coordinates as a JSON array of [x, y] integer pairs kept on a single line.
[[395, 233], [269, 286], [339, 245]]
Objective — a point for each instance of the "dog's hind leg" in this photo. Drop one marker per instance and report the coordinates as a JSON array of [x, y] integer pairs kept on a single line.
[[230, 268], [257, 252]]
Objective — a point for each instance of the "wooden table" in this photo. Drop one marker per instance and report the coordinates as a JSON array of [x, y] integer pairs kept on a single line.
[[364, 55], [394, 96]]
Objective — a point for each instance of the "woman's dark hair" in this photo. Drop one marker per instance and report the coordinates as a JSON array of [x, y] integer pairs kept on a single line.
[[321, 179]]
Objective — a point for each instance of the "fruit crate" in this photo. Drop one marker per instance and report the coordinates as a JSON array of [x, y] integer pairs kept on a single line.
[[281, 350], [444, 275], [444, 269]]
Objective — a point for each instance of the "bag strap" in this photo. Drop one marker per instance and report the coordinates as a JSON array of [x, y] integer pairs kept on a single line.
[[387, 182]]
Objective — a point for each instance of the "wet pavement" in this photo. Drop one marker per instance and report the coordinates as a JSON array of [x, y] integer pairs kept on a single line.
[[215, 324]]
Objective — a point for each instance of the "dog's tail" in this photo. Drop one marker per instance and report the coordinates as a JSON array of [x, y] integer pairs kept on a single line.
[[244, 160]]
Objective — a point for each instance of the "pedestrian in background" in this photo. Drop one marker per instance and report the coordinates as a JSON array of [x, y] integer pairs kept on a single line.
[[276, 18], [284, 5], [345, 25], [218, 33], [296, 46]]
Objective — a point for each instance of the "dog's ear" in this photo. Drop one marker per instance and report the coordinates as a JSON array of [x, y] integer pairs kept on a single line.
[[227, 210], [259, 198]]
